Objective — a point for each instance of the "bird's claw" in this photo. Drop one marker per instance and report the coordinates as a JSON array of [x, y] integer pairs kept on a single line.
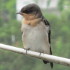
[[27, 49], [40, 53]]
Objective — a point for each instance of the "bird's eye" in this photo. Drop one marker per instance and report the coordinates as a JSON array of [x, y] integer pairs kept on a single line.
[[28, 11]]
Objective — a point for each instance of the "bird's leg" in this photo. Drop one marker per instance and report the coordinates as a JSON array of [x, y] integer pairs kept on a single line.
[[40, 53], [27, 49]]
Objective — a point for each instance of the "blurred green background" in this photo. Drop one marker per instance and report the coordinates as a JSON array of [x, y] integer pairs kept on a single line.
[[10, 34]]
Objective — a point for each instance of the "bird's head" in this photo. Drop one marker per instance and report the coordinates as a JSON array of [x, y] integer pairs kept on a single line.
[[30, 11]]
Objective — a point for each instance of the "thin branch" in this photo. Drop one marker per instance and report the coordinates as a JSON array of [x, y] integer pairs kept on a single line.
[[50, 58]]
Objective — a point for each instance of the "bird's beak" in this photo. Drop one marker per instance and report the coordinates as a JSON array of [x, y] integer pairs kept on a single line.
[[23, 14], [20, 13]]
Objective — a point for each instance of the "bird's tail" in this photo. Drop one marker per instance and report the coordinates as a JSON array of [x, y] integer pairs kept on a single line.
[[45, 62]]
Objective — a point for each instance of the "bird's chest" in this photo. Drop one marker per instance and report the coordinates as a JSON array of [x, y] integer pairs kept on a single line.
[[34, 36], [34, 32]]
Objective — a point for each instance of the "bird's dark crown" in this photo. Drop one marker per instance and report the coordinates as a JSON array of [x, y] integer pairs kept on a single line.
[[31, 9]]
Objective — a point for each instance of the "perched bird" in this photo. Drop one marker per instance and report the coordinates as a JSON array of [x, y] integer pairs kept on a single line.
[[35, 30]]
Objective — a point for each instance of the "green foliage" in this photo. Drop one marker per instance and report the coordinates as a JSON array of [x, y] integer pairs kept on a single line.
[[60, 38], [8, 24], [63, 4]]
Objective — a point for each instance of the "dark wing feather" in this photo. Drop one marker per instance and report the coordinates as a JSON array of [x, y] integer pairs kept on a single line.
[[49, 33], [49, 38]]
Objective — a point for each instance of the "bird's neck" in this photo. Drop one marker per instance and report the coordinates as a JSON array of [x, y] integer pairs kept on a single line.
[[32, 22]]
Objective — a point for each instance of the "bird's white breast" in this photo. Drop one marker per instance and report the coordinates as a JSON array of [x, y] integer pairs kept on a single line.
[[36, 38]]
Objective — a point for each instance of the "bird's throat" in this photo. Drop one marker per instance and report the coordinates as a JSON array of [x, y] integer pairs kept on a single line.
[[32, 22]]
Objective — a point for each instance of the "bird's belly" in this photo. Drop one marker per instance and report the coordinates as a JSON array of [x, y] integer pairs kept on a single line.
[[36, 39]]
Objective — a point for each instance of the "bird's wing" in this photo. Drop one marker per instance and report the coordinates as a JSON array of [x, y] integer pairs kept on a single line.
[[49, 32], [49, 38]]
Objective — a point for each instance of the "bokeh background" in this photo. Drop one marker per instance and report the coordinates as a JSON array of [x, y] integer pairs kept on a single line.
[[57, 12]]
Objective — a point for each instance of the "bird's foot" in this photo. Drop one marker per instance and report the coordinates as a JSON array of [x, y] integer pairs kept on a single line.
[[40, 53], [27, 49]]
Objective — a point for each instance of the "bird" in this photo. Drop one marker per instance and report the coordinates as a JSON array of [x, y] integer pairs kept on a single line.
[[36, 31]]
